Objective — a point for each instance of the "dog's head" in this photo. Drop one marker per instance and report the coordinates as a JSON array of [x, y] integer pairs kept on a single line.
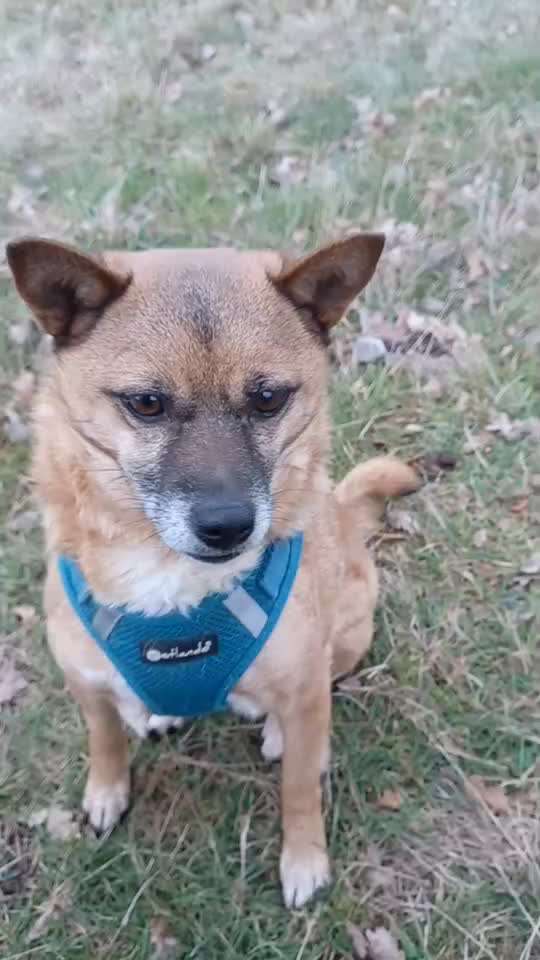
[[199, 377]]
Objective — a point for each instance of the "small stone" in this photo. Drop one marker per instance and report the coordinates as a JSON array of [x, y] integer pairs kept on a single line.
[[532, 566], [368, 350], [412, 428], [480, 538], [208, 52]]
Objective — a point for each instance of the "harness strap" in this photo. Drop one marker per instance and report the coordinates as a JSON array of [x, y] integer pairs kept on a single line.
[[187, 665]]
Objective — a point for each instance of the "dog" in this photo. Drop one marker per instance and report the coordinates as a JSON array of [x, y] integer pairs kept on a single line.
[[181, 440]]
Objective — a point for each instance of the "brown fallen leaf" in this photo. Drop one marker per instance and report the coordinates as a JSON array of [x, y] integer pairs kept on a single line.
[[376, 944], [520, 506], [59, 822], [52, 908], [164, 943], [492, 795], [389, 800]]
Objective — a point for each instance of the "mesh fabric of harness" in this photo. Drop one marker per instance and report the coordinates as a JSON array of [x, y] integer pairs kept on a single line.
[[187, 665]]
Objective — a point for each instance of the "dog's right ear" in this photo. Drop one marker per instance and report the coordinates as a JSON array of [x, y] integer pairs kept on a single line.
[[65, 289]]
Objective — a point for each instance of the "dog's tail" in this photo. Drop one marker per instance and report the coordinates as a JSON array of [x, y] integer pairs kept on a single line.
[[363, 491]]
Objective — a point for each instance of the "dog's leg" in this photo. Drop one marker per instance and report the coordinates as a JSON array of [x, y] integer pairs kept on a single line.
[[272, 739], [106, 796], [304, 866]]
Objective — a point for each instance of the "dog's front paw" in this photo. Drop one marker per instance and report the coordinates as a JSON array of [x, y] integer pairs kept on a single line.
[[303, 872], [159, 725], [272, 739], [104, 804]]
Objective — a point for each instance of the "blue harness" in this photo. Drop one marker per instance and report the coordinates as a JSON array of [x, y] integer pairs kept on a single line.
[[188, 665]]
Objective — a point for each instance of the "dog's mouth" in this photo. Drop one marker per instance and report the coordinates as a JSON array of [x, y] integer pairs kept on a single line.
[[215, 557]]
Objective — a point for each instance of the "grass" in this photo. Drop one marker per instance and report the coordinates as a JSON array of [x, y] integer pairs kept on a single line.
[[157, 124]]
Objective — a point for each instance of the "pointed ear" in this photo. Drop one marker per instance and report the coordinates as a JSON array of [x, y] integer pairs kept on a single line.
[[65, 289], [325, 282]]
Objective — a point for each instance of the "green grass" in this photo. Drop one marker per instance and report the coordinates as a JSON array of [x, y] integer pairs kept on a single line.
[[99, 146]]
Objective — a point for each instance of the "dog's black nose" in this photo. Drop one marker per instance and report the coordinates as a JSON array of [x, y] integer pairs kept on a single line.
[[223, 525]]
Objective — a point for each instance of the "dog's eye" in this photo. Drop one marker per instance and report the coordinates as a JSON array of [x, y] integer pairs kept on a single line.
[[267, 401], [145, 405]]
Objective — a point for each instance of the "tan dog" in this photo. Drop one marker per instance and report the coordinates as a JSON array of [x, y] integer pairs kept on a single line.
[[183, 427]]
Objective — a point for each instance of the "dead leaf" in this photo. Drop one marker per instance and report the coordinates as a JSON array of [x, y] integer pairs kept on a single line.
[[26, 614], [520, 506], [512, 430], [381, 877], [12, 682], [59, 822], [164, 943], [52, 908], [18, 859], [377, 944], [492, 795], [389, 800], [402, 520]]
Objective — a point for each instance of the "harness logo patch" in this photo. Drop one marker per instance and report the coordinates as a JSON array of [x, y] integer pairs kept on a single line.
[[193, 649]]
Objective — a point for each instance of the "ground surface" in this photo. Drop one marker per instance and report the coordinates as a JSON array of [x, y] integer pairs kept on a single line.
[[209, 122]]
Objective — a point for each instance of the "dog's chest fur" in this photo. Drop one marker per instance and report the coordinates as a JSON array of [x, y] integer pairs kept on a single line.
[[140, 580]]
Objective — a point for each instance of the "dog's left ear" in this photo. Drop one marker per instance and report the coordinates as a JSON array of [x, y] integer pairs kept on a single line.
[[325, 282], [66, 290]]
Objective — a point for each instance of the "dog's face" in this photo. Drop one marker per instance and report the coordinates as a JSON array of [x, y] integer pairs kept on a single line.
[[196, 380]]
